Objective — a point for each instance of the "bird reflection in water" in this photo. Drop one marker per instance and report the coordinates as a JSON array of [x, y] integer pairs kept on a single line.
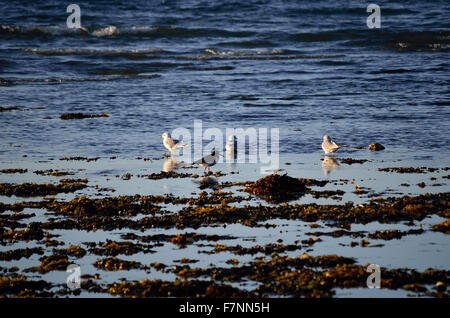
[[329, 164], [170, 164], [230, 159], [231, 152], [207, 182]]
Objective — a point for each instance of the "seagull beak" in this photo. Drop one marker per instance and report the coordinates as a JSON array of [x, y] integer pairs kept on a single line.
[[160, 136]]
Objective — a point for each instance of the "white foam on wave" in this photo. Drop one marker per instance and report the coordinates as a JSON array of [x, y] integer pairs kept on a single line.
[[72, 51], [106, 31], [246, 53]]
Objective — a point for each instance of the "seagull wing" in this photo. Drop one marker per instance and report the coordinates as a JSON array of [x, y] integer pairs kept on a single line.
[[169, 143], [333, 144], [178, 144], [209, 160]]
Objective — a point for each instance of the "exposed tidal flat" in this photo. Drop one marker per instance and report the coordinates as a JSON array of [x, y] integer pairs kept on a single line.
[[137, 231]]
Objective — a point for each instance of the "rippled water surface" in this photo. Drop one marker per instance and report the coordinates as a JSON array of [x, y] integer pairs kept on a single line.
[[155, 66]]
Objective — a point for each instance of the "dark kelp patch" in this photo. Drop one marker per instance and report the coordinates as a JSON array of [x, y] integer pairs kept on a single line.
[[443, 227], [350, 161], [300, 276], [181, 240], [72, 250], [393, 234], [167, 175], [67, 116], [32, 232], [240, 250], [338, 233], [50, 263], [14, 170], [112, 248], [19, 286], [109, 206], [20, 253], [408, 169], [8, 109], [80, 159], [54, 173], [333, 194], [116, 264], [381, 209], [34, 189], [177, 288]]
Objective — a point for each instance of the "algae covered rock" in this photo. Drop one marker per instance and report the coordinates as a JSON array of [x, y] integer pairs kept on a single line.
[[276, 188], [376, 146]]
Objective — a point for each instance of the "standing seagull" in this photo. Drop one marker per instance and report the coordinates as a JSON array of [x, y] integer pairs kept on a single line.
[[329, 146], [231, 145], [208, 161], [171, 144]]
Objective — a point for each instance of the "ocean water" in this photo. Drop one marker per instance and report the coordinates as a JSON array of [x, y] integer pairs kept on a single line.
[[159, 65]]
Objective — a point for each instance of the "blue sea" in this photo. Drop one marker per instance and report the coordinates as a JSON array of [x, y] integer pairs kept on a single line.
[[307, 68]]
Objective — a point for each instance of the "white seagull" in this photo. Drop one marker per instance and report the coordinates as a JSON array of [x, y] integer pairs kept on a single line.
[[329, 146], [208, 161], [231, 145], [171, 144]]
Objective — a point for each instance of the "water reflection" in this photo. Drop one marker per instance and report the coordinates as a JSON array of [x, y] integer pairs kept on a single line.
[[170, 164], [207, 182], [329, 164], [230, 159]]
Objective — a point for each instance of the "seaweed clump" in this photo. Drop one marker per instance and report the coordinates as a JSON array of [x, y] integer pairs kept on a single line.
[[32, 232], [393, 234], [301, 276], [276, 188], [67, 116], [267, 249], [14, 170], [35, 189], [177, 288], [8, 109], [122, 205], [166, 175], [72, 250], [54, 173], [19, 285], [112, 248], [19, 253], [50, 263], [115, 264], [443, 227], [408, 169], [80, 159], [351, 161], [180, 240]]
